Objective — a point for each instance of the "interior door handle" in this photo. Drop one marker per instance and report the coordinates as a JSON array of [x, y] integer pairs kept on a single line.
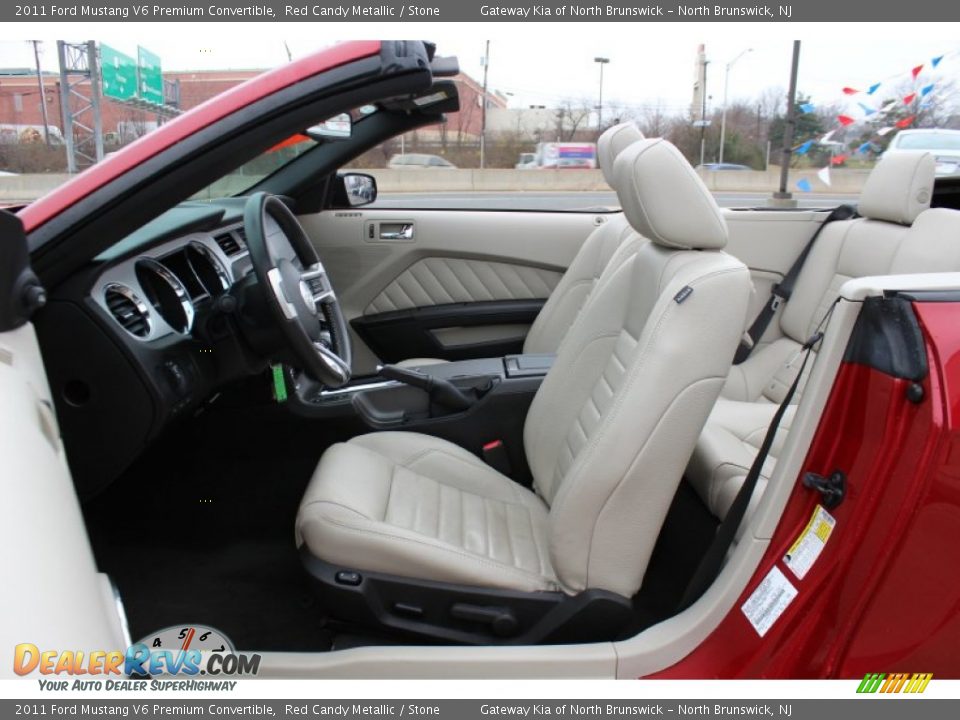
[[402, 232]]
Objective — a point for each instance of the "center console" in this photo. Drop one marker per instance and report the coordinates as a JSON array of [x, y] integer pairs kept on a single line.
[[480, 405]]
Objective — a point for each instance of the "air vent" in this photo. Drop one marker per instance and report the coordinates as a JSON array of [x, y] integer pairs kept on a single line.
[[230, 244], [128, 309]]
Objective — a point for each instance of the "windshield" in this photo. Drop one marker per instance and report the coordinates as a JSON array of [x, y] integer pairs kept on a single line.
[[250, 173], [929, 141]]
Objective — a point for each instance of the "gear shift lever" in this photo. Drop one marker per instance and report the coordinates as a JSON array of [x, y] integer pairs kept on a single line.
[[441, 391]]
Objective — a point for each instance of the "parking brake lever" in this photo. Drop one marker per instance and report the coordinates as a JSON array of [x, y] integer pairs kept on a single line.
[[441, 391]]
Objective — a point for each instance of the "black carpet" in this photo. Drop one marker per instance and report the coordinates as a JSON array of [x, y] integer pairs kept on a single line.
[[200, 529]]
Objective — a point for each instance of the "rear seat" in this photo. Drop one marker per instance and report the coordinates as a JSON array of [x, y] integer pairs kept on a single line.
[[895, 197]]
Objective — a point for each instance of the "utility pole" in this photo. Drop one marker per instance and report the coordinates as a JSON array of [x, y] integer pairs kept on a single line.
[[783, 197], [601, 61], [726, 95], [43, 94], [703, 113], [483, 108]]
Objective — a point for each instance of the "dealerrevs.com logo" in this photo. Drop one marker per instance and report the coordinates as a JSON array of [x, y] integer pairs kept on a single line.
[[888, 683], [183, 651]]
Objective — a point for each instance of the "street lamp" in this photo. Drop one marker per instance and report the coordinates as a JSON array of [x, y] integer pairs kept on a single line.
[[726, 89], [601, 61]]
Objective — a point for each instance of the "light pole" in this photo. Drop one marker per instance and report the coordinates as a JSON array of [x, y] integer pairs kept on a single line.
[[600, 61], [483, 109], [726, 90]]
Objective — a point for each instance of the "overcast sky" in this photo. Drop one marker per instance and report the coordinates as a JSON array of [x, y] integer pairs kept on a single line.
[[544, 63]]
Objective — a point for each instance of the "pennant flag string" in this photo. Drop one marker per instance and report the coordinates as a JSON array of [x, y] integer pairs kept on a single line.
[[916, 71], [824, 176], [936, 61], [807, 107], [845, 120], [802, 149], [926, 90], [906, 122], [804, 185], [866, 109], [874, 88]]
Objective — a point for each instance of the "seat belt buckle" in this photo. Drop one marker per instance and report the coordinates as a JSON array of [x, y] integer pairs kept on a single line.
[[495, 455], [775, 302]]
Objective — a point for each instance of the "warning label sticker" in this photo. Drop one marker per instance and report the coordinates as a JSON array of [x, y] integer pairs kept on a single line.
[[804, 552], [768, 601]]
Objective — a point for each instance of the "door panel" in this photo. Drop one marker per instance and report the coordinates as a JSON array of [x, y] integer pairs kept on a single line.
[[43, 546], [448, 281]]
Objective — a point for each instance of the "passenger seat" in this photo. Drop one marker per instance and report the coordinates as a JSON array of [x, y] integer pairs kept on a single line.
[[880, 242], [570, 294]]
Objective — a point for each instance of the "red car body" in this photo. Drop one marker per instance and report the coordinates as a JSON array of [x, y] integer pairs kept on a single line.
[[885, 595]]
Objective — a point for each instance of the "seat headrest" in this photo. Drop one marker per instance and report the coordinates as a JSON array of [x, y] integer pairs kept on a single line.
[[665, 200], [612, 143], [899, 188]]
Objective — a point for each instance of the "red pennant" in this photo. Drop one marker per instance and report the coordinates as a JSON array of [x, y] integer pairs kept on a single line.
[[906, 122], [850, 91], [916, 71], [838, 159], [845, 120], [909, 98]]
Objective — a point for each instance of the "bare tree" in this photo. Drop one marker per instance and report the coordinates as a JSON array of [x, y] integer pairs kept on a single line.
[[571, 116]]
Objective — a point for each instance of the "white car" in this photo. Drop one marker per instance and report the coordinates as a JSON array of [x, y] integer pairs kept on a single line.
[[944, 144], [419, 161]]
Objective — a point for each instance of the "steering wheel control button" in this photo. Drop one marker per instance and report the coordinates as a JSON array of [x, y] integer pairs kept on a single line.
[[348, 577]]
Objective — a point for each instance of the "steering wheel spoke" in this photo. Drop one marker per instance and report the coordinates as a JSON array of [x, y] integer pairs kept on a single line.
[[298, 290]]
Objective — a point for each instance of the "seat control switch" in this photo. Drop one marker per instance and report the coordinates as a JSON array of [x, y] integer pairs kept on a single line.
[[348, 577], [501, 620]]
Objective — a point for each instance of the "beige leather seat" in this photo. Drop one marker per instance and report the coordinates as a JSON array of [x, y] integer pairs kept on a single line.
[[880, 242], [607, 436], [570, 294]]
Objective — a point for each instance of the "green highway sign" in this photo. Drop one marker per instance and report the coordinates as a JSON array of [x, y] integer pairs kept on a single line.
[[151, 79], [119, 74]]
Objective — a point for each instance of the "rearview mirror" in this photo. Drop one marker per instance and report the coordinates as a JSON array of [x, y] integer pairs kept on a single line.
[[357, 189], [339, 127]]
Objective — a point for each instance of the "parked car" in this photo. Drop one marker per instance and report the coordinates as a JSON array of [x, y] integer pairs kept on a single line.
[[944, 144], [714, 167], [209, 413], [526, 161], [419, 161]]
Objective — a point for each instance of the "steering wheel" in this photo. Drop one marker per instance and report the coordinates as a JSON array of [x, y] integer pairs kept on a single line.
[[297, 289]]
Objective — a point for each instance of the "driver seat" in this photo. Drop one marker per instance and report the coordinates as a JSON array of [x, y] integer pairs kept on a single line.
[[607, 437]]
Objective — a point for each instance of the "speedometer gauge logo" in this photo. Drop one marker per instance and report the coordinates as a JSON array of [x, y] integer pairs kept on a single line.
[[189, 637], [189, 650]]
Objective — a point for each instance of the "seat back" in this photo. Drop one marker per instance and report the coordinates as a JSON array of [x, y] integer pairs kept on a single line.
[[613, 425], [570, 294], [897, 190]]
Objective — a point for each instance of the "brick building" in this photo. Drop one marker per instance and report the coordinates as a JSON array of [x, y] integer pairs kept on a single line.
[[21, 117]]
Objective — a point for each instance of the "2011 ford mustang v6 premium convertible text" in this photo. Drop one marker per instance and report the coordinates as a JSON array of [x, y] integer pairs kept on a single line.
[[668, 441]]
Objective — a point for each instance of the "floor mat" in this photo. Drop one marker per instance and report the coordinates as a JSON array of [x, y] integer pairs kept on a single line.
[[200, 529]]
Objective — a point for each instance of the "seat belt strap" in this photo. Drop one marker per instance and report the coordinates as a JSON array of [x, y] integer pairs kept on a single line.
[[711, 563], [784, 289]]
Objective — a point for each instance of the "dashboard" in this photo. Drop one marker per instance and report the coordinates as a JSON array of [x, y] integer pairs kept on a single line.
[[151, 330], [160, 291]]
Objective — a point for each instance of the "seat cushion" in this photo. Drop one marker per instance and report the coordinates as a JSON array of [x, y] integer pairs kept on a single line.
[[416, 506], [727, 447]]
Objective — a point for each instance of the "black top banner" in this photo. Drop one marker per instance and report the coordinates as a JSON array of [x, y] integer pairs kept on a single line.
[[481, 11]]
